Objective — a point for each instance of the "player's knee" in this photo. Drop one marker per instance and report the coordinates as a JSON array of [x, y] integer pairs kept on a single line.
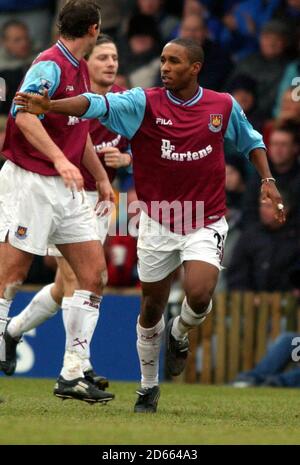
[[95, 280], [152, 310], [104, 278], [199, 301], [11, 288], [153, 305]]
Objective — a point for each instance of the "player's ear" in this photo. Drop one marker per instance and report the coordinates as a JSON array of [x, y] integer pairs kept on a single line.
[[197, 68], [94, 29]]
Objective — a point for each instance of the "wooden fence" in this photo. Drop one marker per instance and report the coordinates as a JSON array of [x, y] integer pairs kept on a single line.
[[235, 334]]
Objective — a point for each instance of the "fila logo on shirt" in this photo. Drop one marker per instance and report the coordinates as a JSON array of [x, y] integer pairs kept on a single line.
[[164, 122], [168, 151]]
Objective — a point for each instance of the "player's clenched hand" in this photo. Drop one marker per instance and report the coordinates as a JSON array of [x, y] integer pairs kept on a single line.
[[270, 191], [70, 174], [33, 103], [114, 158]]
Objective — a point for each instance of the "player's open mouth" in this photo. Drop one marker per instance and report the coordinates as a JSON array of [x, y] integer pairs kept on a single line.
[[165, 79]]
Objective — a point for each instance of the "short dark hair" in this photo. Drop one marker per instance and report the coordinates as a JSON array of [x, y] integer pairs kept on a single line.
[[102, 39], [76, 17], [194, 49], [12, 23], [105, 39]]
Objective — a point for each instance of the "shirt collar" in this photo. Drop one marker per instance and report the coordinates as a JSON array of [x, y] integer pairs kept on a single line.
[[186, 103], [66, 52]]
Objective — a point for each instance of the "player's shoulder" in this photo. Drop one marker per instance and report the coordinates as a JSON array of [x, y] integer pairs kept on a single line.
[[213, 95], [115, 89], [47, 55], [151, 91], [155, 94]]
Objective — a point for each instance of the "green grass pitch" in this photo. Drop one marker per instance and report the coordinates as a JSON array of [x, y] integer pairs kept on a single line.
[[187, 414]]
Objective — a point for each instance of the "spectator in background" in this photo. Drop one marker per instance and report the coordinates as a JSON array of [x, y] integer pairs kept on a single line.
[[213, 12], [235, 183], [36, 14], [270, 370], [244, 23], [284, 162], [289, 113], [140, 59], [266, 66], [155, 9], [16, 48], [243, 89], [266, 252], [194, 27], [289, 108], [16, 55]]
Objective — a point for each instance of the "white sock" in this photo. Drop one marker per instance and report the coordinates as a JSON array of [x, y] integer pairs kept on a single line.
[[65, 305], [4, 307], [190, 318], [80, 327], [148, 347], [41, 308]]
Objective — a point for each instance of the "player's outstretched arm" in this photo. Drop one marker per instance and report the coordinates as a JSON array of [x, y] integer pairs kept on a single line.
[[41, 104]]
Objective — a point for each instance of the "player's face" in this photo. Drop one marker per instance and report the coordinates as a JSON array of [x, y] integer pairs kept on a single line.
[[177, 72], [103, 64]]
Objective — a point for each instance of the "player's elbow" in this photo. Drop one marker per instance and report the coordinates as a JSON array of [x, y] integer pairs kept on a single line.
[[23, 121]]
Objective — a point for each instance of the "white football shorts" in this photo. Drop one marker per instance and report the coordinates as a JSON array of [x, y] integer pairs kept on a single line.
[[38, 210], [161, 251], [102, 223]]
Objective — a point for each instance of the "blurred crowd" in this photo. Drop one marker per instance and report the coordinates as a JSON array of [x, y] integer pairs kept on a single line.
[[252, 50]]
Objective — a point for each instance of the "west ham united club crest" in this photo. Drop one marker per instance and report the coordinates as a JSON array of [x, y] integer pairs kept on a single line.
[[216, 123], [21, 232]]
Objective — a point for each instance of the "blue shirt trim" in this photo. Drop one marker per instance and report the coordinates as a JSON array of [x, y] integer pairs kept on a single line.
[[67, 53], [186, 103]]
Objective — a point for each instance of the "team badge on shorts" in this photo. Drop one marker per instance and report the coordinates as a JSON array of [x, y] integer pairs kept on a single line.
[[21, 232], [216, 122]]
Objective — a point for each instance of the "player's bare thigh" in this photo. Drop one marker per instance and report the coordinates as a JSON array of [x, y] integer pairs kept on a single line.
[[200, 280], [88, 263]]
